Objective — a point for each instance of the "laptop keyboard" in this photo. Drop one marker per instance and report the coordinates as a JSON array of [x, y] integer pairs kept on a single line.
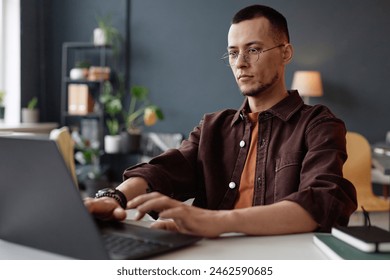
[[131, 247]]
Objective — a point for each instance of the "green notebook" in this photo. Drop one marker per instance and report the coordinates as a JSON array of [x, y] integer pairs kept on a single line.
[[334, 248]]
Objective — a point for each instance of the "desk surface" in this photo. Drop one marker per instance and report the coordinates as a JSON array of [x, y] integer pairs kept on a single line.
[[43, 128], [229, 247], [283, 247]]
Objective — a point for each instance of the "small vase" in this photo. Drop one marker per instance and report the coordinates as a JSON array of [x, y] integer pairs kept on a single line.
[[30, 115], [130, 142], [112, 144], [99, 37], [78, 73]]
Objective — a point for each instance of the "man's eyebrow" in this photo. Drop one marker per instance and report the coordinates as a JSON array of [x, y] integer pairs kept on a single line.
[[247, 44]]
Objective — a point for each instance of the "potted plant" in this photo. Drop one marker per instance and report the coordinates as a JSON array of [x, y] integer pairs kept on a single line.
[[90, 174], [112, 141], [2, 106], [80, 71], [140, 112], [106, 33], [113, 107], [30, 114]]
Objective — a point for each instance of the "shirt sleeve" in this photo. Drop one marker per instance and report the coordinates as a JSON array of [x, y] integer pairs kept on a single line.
[[173, 173], [323, 191]]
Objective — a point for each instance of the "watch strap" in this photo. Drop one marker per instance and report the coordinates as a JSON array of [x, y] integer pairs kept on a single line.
[[115, 194]]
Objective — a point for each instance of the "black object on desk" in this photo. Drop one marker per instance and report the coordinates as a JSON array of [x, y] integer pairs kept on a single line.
[[335, 248], [365, 238]]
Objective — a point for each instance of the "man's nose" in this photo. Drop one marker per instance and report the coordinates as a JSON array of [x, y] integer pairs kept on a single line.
[[241, 61]]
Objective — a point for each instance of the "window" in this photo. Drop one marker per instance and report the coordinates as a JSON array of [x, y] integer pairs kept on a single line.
[[10, 57], [1, 45]]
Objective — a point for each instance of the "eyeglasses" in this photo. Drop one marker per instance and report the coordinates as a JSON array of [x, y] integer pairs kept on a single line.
[[250, 55]]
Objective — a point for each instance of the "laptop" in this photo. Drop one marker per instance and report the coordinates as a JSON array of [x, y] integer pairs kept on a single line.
[[41, 207]]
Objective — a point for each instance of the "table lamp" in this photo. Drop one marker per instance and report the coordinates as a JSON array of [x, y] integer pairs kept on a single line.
[[308, 84]]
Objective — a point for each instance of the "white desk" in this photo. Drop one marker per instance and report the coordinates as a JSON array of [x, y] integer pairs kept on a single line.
[[230, 247], [41, 128], [287, 247]]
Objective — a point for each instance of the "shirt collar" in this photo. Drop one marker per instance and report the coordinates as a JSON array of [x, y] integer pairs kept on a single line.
[[284, 109]]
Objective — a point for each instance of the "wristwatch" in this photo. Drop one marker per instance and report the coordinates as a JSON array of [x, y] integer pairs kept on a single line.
[[113, 193]]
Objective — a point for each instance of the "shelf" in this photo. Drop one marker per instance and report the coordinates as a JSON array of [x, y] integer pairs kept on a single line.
[[98, 56], [82, 81], [89, 115], [85, 45]]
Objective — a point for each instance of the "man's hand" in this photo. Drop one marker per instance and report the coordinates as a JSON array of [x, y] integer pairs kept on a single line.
[[105, 208], [185, 218]]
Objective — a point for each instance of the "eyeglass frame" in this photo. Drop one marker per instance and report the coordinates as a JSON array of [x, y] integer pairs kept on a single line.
[[226, 57]]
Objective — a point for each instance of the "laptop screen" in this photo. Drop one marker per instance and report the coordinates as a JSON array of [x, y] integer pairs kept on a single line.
[[40, 205]]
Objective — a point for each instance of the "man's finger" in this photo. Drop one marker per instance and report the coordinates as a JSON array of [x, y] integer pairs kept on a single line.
[[173, 213], [104, 208], [166, 225], [141, 199], [158, 204], [151, 202]]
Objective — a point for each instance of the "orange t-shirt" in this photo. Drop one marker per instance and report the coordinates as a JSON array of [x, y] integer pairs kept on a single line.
[[247, 183]]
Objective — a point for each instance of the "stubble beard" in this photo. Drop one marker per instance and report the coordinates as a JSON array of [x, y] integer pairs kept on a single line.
[[261, 89]]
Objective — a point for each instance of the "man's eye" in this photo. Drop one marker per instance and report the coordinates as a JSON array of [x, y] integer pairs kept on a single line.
[[252, 51], [232, 54]]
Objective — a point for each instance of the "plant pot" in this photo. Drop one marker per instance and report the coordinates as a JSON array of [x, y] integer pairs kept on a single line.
[[30, 115], [99, 37], [78, 73], [130, 142], [112, 144]]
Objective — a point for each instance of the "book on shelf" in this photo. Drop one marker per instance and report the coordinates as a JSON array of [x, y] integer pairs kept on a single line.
[[365, 238], [337, 249], [80, 101]]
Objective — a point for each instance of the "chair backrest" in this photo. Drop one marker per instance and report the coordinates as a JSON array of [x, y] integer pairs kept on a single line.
[[357, 169], [66, 146]]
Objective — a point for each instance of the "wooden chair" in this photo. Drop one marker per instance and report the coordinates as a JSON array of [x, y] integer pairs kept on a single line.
[[357, 169], [66, 146]]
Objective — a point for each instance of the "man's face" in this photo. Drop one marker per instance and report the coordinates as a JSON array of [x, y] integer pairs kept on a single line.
[[258, 77]]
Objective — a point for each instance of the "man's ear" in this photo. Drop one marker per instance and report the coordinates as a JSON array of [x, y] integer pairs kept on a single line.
[[288, 52]]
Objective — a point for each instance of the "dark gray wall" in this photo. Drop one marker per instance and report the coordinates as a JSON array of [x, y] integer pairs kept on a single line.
[[176, 46]]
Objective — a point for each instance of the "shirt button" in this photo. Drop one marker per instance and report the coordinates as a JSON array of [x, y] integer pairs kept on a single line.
[[242, 143], [232, 185]]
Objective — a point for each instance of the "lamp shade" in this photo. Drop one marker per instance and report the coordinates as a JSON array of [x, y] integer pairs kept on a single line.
[[308, 83]]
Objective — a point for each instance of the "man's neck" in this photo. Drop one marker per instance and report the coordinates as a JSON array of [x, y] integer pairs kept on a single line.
[[266, 100]]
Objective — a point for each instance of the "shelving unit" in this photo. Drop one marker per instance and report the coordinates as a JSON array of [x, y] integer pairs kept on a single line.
[[73, 52]]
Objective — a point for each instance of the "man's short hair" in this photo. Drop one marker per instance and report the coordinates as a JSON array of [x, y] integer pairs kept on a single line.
[[277, 20]]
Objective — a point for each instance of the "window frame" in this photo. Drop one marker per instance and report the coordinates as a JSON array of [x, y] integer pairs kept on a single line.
[[10, 80]]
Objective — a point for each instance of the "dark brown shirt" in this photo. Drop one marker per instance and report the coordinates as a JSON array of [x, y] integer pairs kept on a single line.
[[301, 151]]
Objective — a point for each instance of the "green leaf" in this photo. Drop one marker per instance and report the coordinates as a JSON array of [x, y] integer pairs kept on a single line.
[[159, 114], [32, 103], [113, 106], [113, 126], [139, 92]]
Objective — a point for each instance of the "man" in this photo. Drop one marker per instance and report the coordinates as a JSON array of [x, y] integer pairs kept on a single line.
[[272, 167]]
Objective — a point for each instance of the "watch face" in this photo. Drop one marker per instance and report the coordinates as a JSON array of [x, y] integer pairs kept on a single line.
[[115, 194], [106, 190]]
